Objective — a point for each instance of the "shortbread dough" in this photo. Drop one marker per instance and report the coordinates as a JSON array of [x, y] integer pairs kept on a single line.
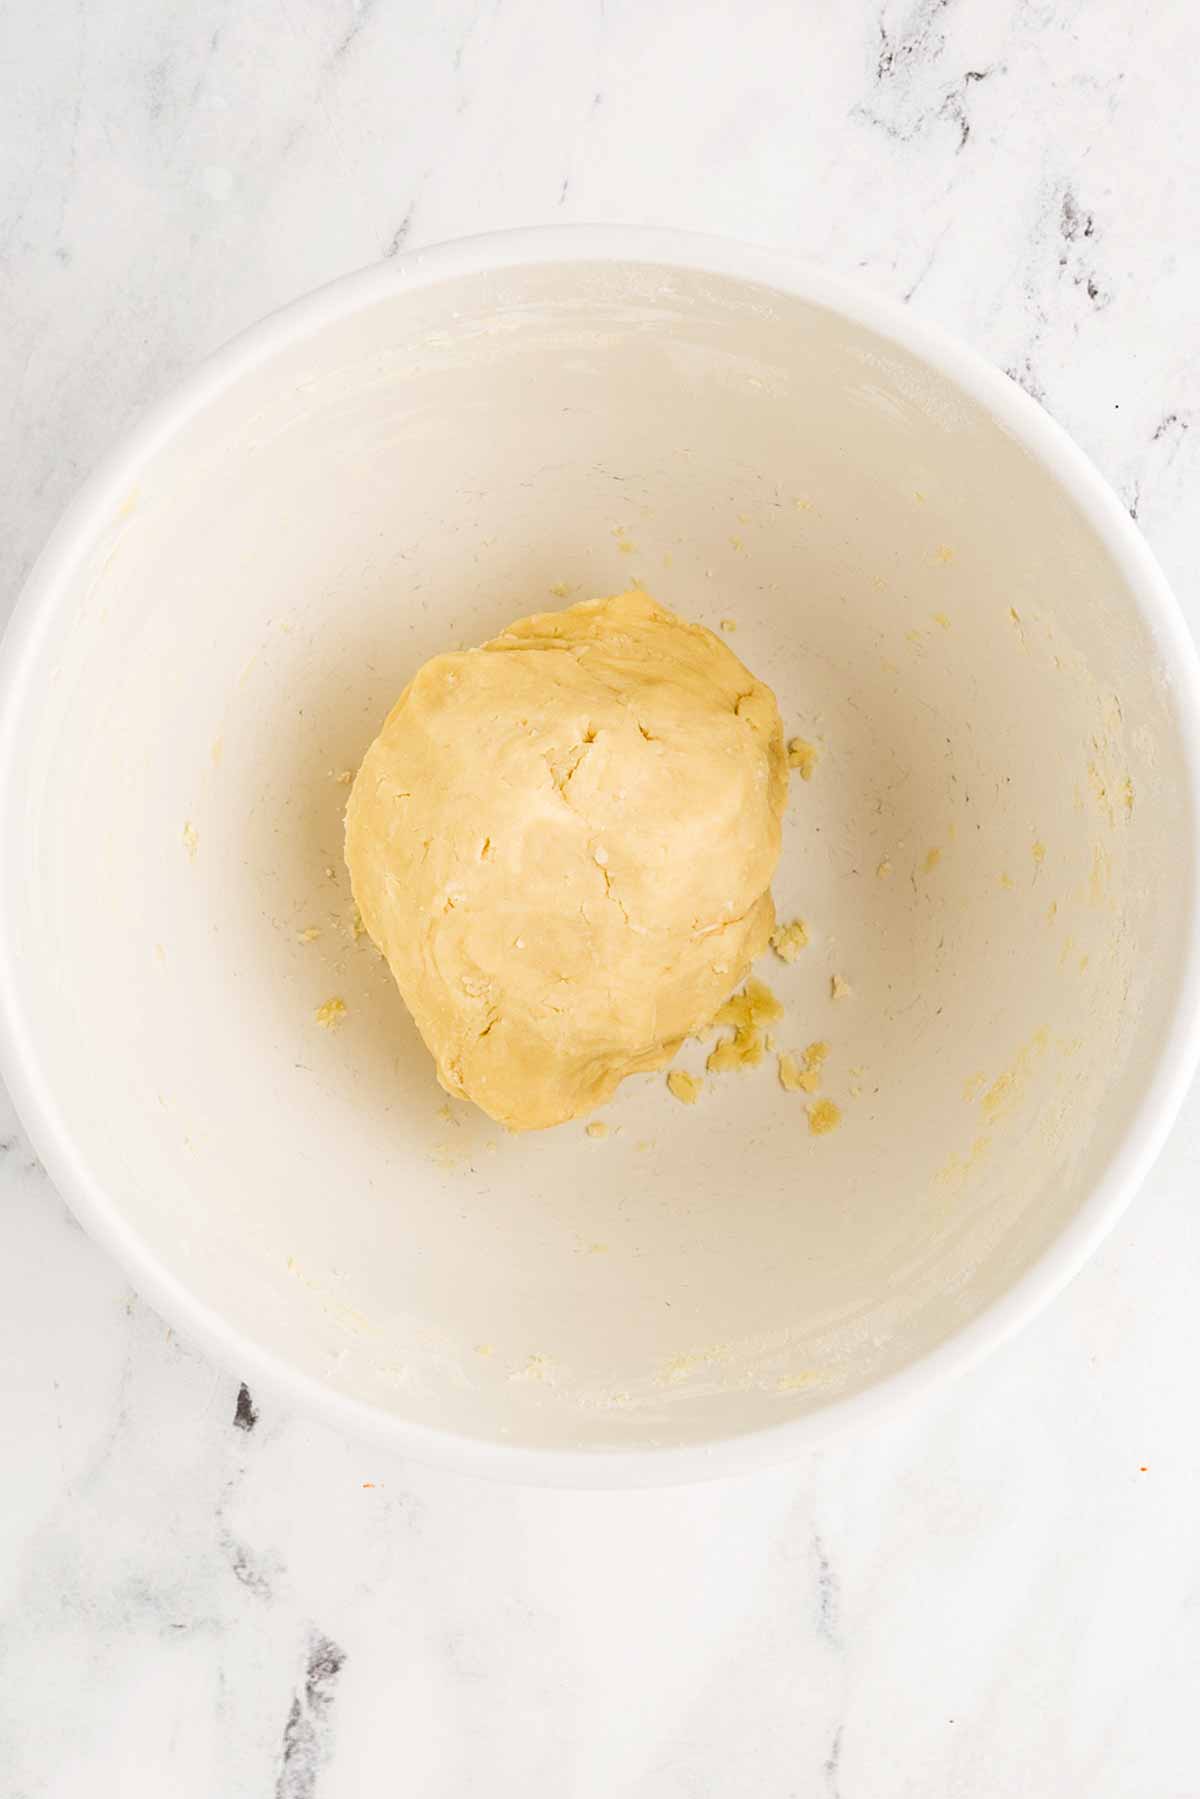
[[563, 844]]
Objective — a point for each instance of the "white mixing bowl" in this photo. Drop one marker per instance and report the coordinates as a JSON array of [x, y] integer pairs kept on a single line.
[[997, 851]]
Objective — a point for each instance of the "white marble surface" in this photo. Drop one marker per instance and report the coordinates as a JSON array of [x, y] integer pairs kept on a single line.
[[997, 1594]]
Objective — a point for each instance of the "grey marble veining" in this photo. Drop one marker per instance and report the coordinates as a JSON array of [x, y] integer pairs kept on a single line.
[[995, 1594]]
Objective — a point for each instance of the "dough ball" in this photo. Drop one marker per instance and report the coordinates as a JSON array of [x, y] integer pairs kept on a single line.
[[563, 843]]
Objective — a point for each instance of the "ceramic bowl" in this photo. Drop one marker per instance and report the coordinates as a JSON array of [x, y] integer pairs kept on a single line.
[[996, 854]]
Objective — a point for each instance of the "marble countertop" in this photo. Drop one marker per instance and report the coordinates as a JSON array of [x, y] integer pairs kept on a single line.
[[997, 1593]]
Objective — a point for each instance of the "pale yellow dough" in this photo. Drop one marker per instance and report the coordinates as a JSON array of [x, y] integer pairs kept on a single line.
[[563, 843]]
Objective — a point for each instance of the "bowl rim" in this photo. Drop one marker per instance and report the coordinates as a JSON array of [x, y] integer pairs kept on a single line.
[[42, 603]]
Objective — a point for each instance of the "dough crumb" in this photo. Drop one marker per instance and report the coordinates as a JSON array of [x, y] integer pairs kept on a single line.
[[309, 935], [932, 858], [597, 1128], [945, 553], [190, 839], [331, 1014], [942, 619], [802, 1074], [560, 590], [729, 624], [743, 1050], [1038, 853], [754, 1005], [485, 1349], [884, 870], [685, 1087], [794, 1078], [823, 1118], [787, 940], [803, 756], [839, 988], [747, 1012], [345, 778], [537, 1368]]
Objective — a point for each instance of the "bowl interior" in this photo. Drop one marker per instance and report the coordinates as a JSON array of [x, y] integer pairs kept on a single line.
[[989, 853]]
